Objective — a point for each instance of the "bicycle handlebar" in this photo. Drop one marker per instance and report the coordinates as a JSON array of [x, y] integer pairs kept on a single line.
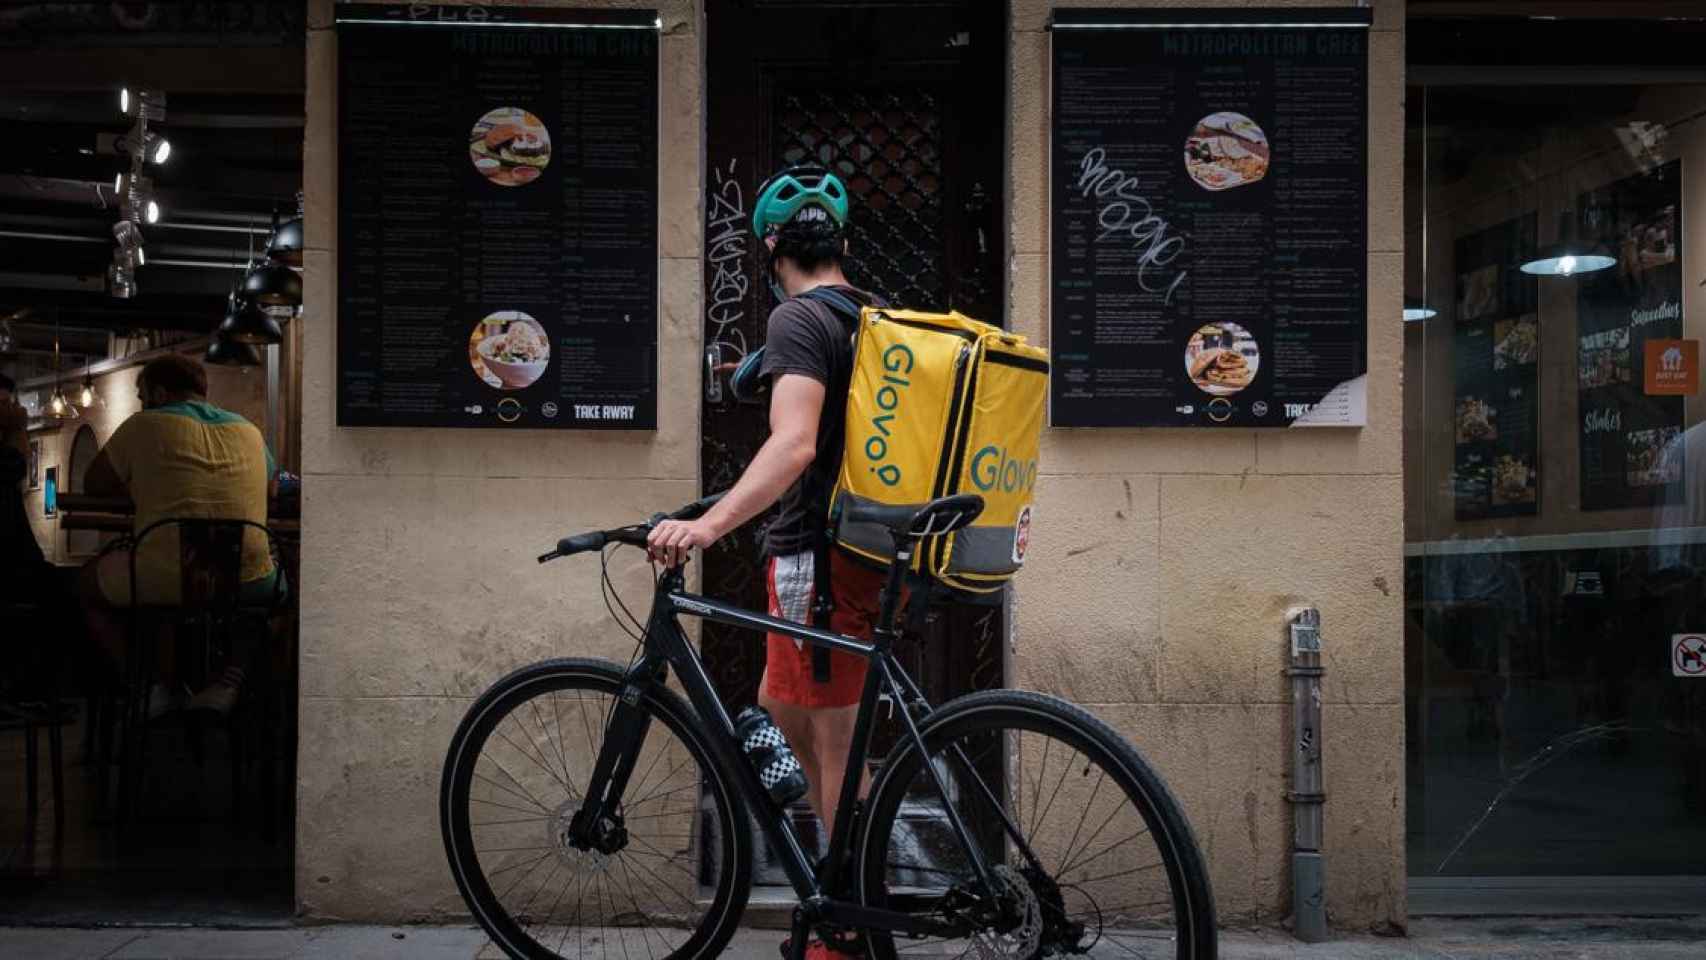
[[634, 535]]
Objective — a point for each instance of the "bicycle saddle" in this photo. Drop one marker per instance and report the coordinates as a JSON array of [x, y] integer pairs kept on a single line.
[[940, 516]]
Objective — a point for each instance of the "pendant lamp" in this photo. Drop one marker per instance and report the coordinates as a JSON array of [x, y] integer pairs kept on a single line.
[[285, 244], [272, 284], [230, 353], [247, 323], [1569, 256]]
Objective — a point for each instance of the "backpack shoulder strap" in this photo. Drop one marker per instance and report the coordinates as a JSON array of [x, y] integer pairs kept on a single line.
[[834, 299]]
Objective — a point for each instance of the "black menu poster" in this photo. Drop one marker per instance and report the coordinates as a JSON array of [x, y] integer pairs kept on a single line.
[[1209, 221], [1624, 432], [498, 210], [1495, 363]]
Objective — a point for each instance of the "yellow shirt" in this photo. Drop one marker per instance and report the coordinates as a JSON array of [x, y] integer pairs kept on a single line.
[[190, 459]]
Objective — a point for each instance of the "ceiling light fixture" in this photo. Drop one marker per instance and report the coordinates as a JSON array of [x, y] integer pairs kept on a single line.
[[1415, 310], [1569, 255], [286, 243], [229, 353], [86, 396], [156, 149], [57, 406], [246, 322], [124, 100]]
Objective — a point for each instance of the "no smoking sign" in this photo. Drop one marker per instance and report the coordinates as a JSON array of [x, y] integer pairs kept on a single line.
[[1688, 655]]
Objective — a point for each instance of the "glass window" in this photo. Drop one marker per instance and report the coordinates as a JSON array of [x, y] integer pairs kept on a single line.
[[1555, 449]]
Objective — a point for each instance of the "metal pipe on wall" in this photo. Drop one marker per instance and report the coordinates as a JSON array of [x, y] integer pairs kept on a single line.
[[1308, 787]]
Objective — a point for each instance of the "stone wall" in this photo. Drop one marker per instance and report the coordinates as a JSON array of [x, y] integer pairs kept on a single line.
[[1165, 560], [419, 582]]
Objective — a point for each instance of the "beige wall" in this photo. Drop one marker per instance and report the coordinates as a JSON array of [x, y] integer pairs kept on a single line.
[[419, 586], [1166, 559]]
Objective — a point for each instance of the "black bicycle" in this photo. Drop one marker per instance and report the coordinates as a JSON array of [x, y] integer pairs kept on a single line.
[[587, 809]]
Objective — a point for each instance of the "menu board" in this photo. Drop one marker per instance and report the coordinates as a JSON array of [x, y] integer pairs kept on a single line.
[[497, 212], [1495, 363], [1624, 429], [1209, 217]]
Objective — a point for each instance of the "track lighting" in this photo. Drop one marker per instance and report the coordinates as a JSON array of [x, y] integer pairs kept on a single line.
[[156, 149]]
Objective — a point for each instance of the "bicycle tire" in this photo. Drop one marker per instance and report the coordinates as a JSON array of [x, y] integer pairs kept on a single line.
[[1000, 717], [511, 695]]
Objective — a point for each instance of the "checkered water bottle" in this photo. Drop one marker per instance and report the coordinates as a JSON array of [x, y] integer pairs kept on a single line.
[[768, 753]]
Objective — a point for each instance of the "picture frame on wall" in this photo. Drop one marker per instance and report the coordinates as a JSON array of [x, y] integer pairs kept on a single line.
[[35, 464]]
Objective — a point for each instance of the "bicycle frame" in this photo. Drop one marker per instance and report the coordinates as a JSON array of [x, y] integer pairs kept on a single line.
[[826, 901]]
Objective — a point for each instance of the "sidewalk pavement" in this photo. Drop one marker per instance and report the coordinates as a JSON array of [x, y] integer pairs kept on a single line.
[[1505, 939]]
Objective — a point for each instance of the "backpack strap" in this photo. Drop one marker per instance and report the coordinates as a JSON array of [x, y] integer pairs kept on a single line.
[[823, 588], [835, 300]]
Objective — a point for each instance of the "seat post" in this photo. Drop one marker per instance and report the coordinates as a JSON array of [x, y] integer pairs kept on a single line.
[[885, 629]]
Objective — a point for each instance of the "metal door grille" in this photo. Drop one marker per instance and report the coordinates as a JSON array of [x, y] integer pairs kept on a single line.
[[886, 146]]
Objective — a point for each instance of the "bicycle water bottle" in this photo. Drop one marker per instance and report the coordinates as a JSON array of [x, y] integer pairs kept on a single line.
[[767, 750]]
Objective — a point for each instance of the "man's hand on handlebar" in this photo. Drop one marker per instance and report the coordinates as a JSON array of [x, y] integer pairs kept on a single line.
[[672, 540]]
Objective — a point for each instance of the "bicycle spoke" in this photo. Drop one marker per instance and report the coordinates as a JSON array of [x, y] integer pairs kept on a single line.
[[1116, 876], [1081, 865], [535, 760], [525, 793], [568, 777]]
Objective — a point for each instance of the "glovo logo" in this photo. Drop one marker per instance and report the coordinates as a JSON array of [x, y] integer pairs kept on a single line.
[[896, 360], [991, 468]]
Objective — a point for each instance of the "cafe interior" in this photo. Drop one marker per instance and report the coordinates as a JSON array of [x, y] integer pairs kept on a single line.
[[155, 211]]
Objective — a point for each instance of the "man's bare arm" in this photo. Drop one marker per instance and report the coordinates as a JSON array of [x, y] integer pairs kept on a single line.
[[796, 401]]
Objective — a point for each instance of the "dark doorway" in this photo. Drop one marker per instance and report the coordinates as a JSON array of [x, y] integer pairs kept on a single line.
[[905, 102]]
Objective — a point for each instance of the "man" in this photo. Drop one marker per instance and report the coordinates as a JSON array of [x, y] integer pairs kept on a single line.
[[801, 213], [180, 457]]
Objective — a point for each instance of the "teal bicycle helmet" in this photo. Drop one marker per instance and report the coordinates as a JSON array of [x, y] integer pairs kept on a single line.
[[782, 197]]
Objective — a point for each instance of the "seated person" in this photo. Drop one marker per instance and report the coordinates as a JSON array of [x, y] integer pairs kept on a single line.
[[180, 457]]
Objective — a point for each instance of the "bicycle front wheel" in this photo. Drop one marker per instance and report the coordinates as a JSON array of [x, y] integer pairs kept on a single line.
[[513, 781], [1088, 851]]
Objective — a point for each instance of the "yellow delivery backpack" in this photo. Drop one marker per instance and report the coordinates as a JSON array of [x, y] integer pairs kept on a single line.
[[942, 404]]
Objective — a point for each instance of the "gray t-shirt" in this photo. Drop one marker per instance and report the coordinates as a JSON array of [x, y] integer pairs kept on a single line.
[[811, 339]]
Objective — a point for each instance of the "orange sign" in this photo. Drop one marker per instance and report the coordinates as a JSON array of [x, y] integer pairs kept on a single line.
[[1673, 368]]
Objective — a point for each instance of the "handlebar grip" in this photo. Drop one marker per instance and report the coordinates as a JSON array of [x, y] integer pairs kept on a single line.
[[580, 543]]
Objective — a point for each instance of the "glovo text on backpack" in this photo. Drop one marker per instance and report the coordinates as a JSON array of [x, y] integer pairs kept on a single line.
[[942, 404]]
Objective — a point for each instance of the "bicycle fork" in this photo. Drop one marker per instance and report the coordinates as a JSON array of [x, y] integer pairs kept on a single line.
[[597, 825]]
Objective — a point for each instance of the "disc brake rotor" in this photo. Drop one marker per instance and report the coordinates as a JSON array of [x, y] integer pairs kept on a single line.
[[1021, 941]]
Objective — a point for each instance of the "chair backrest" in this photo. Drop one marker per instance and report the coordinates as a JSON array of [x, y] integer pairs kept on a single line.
[[210, 560]]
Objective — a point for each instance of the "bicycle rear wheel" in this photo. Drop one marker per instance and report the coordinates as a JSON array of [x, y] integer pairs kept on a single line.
[[1090, 852], [513, 779]]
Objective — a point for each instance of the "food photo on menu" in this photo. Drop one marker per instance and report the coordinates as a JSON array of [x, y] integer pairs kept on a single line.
[[1644, 457], [1476, 420], [509, 350], [1604, 359], [1226, 150], [1222, 358], [1650, 244], [510, 146], [1480, 292], [1516, 342], [1513, 480]]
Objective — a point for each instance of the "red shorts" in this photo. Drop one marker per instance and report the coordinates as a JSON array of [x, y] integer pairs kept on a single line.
[[788, 666]]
